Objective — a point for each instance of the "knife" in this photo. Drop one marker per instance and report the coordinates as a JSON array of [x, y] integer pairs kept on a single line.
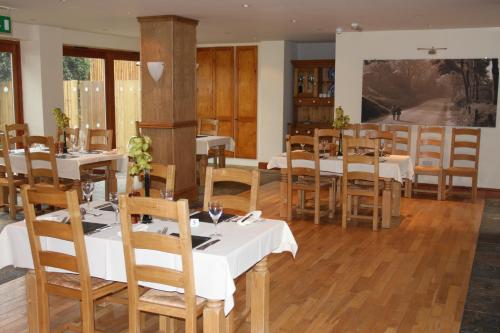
[[204, 246], [246, 217]]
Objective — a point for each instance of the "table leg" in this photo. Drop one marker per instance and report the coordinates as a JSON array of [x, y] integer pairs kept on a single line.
[[260, 298], [112, 187], [283, 193], [213, 317], [203, 168], [386, 204], [222, 156], [396, 198]]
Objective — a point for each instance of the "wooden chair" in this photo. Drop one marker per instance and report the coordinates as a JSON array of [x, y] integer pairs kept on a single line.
[[402, 146], [351, 130], [8, 181], [464, 158], [186, 306], [162, 178], [430, 151], [70, 133], [98, 139], [386, 139], [207, 126], [14, 133], [308, 178], [367, 130], [233, 202], [369, 186], [42, 165], [79, 286]]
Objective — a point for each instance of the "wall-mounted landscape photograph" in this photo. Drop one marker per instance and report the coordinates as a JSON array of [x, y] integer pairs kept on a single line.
[[441, 92]]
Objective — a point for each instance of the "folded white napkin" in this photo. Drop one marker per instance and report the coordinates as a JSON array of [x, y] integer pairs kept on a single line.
[[250, 218]]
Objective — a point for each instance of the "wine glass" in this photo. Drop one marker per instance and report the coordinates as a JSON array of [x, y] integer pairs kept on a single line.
[[324, 145], [382, 148], [113, 200], [215, 212], [167, 195], [88, 191], [302, 145], [74, 146]]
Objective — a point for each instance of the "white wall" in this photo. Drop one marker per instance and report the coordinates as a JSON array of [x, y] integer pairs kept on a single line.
[[313, 51], [354, 47]]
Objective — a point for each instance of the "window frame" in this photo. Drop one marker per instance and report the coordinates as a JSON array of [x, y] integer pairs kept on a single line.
[[14, 47], [109, 56]]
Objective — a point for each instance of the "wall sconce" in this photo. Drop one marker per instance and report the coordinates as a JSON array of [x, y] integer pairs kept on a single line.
[[155, 69]]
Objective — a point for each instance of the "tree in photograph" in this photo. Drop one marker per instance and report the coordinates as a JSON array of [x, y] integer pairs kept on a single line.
[[76, 68], [5, 67]]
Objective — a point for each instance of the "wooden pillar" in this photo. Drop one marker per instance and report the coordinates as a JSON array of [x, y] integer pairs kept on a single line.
[[169, 104]]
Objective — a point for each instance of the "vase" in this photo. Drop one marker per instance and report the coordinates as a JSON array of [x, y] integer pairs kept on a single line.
[[147, 185], [65, 145], [339, 150]]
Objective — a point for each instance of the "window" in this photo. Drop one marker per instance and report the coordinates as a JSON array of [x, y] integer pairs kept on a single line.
[[10, 83], [102, 90]]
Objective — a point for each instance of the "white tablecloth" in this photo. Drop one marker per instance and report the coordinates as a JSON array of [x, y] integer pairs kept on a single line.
[[397, 167], [203, 144], [67, 167], [215, 268]]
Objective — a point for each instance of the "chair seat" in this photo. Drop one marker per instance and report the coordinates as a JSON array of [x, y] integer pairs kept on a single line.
[[308, 185], [72, 281], [17, 182], [168, 298], [64, 185], [427, 170], [94, 177], [460, 171]]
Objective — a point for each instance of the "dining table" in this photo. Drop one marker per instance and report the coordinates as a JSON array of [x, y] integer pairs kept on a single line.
[[241, 249], [204, 143], [72, 165], [393, 170]]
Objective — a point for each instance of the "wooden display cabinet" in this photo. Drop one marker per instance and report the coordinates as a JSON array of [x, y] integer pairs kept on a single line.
[[313, 95]]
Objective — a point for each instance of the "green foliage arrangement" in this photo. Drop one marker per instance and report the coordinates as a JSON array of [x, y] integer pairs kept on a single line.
[[76, 68], [341, 121], [62, 120], [138, 150]]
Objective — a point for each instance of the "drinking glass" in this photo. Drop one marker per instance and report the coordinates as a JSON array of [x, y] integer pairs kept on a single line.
[[74, 146], [302, 145], [113, 200], [215, 211], [167, 195], [382, 148], [88, 191], [324, 145]]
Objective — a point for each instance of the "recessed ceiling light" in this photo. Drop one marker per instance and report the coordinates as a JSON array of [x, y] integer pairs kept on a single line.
[[63, 1], [293, 20], [245, 5]]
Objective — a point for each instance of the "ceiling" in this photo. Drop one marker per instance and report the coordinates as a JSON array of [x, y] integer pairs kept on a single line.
[[222, 21]]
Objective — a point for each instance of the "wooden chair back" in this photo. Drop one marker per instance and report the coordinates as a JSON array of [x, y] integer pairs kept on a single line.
[[99, 139], [463, 149], [70, 133], [351, 130], [41, 165], [331, 135], [137, 272], [367, 130], [386, 139], [430, 145], [162, 178], [71, 232], [14, 133], [372, 160], [207, 126], [5, 168], [311, 153], [402, 139], [233, 202]]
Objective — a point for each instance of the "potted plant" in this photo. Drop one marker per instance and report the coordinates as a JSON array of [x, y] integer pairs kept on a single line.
[[62, 122], [138, 150], [341, 121]]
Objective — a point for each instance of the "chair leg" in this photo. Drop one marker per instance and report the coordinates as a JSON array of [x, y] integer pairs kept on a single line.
[[375, 214], [440, 187], [316, 206], [12, 202], [408, 188], [474, 187], [289, 202], [445, 187], [43, 310], [87, 313], [134, 319], [344, 211], [331, 202]]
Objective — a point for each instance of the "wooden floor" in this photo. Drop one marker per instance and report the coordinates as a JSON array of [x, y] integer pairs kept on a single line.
[[410, 278]]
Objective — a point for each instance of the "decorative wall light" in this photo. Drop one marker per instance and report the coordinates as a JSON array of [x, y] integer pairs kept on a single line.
[[155, 69]]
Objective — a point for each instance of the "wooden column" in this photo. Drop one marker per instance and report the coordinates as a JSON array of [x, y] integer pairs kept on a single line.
[[169, 105]]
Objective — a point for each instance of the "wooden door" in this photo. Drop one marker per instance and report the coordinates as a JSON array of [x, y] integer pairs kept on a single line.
[[223, 65], [246, 102], [204, 83]]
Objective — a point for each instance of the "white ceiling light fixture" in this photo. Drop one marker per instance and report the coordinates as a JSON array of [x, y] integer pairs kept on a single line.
[[293, 20], [245, 5], [155, 69], [356, 26], [339, 30], [432, 50]]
